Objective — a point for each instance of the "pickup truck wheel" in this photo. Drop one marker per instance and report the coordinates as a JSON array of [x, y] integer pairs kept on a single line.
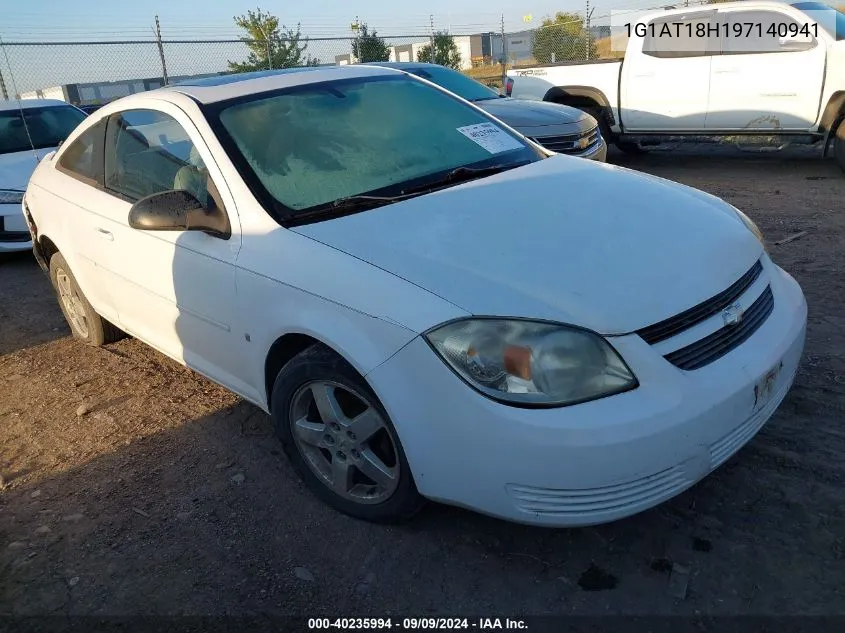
[[627, 147], [604, 128], [85, 324], [839, 146], [340, 440]]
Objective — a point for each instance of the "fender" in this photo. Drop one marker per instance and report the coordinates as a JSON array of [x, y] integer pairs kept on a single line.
[[582, 96]]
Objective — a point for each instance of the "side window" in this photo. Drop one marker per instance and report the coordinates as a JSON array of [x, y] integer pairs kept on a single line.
[[750, 32], [682, 36], [83, 159], [149, 152]]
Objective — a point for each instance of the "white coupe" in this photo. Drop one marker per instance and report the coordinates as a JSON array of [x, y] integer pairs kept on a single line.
[[427, 304]]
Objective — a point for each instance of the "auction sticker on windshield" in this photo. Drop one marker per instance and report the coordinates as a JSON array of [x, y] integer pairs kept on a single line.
[[491, 137]]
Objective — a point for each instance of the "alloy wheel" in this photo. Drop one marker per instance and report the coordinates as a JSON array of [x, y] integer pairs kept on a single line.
[[72, 303], [345, 441]]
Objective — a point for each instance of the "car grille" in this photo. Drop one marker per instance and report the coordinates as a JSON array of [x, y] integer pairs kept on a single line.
[[703, 311], [711, 348], [622, 497], [569, 143], [722, 341]]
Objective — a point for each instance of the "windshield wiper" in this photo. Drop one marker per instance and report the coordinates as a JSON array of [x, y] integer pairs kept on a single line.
[[458, 174], [470, 173], [353, 204], [347, 206], [369, 201]]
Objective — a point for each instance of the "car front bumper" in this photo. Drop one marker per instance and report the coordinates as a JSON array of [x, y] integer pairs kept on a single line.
[[14, 233], [594, 462]]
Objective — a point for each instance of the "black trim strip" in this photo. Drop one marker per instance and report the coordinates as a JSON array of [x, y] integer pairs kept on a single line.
[[703, 311], [713, 347], [14, 236]]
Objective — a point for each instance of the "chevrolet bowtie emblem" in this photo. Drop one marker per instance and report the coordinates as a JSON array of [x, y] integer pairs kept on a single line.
[[732, 315]]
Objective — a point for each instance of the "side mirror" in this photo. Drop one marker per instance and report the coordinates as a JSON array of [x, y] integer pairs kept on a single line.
[[795, 43], [178, 210]]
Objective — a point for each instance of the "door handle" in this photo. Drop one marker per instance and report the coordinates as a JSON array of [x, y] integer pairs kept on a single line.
[[725, 71], [106, 235], [644, 75]]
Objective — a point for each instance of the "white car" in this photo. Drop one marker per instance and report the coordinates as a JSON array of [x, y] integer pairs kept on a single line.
[[29, 129], [397, 279]]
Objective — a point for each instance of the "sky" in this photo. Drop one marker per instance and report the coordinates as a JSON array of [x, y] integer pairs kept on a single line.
[[50, 22], [61, 19]]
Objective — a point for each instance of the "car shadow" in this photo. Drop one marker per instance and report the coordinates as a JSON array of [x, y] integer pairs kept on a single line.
[[209, 518], [29, 312]]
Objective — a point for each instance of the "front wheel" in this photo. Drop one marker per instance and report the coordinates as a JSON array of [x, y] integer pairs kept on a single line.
[[85, 324], [839, 146], [340, 439]]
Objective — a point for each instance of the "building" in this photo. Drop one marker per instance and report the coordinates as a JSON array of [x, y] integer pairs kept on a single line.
[[476, 50], [98, 93]]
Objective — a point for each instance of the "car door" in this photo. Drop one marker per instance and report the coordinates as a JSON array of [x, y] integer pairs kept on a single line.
[[72, 194], [172, 289], [666, 86], [763, 81]]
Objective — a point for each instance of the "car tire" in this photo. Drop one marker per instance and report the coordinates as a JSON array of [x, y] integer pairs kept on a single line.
[[839, 145], [632, 149], [85, 324], [320, 443], [604, 128], [626, 147]]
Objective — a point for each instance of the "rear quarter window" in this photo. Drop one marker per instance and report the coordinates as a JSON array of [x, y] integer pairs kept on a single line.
[[83, 158]]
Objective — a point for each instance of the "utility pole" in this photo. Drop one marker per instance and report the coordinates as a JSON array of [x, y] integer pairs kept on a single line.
[[356, 29], [161, 52], [589, 15], [431, 26], [504, 56]]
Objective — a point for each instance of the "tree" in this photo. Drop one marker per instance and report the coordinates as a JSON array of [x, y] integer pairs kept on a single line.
[[369, 47], [271, 45], [562, 38], [446, 52]]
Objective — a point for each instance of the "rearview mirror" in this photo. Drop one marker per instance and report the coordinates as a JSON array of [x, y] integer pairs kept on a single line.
[[178, 210]]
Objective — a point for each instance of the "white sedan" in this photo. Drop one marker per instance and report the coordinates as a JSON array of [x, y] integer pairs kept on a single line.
[[427, 304], [29, 129]]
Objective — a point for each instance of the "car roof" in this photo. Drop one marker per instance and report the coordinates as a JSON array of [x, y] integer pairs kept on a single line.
[[401, 65], [30, 103], [220, 88]]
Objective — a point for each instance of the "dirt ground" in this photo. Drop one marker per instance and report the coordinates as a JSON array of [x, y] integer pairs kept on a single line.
[[169, 495]]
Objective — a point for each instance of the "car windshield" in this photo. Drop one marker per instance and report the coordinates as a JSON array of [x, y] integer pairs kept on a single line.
[[309, 147], [455, 82], [47, 127], [833, 23]]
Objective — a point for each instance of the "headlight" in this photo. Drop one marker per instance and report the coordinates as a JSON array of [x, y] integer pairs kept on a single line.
[[749, 224], [11, 196], [531, 363]]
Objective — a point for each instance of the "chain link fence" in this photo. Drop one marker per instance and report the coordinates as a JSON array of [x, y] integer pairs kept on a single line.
[[93, 73]]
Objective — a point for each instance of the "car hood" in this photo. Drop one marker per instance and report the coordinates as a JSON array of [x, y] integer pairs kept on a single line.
[[562, 239], [17, 167], [525, 113]]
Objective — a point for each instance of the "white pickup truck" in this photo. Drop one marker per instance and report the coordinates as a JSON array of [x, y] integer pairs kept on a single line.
[[735, 80]]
